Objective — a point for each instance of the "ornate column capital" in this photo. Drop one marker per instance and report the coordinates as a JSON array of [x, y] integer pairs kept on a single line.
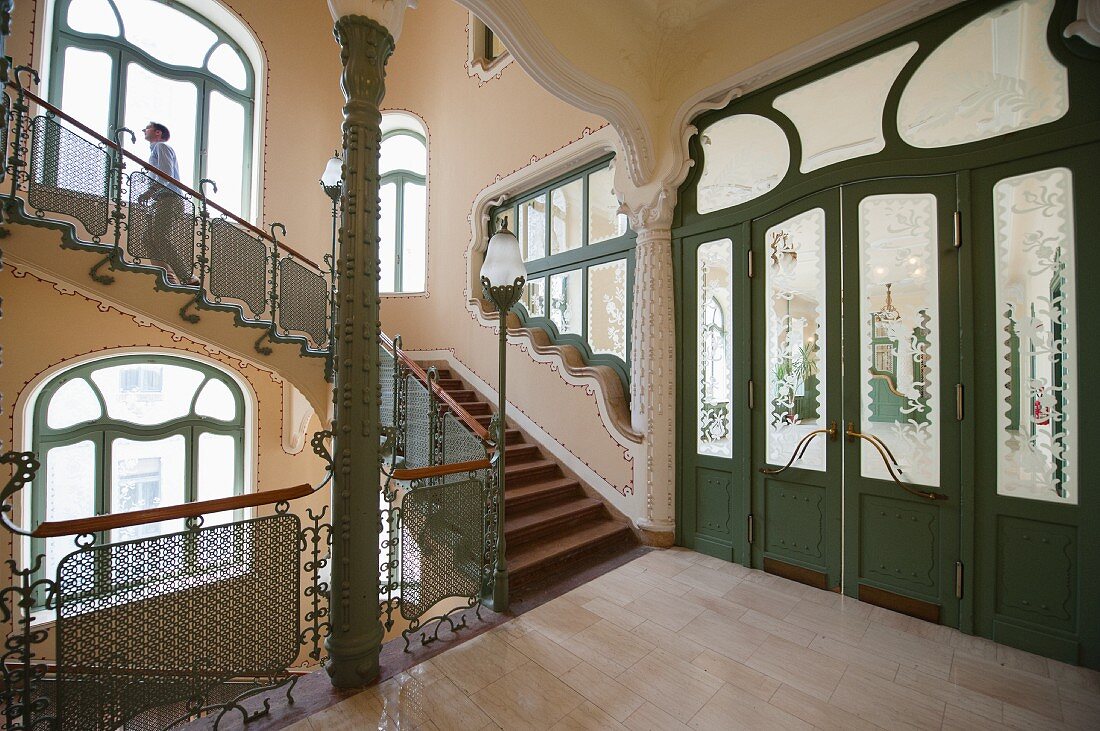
[[390, 14]]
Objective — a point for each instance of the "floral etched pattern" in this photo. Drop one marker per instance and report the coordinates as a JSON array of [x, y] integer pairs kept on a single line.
[[715, 348]]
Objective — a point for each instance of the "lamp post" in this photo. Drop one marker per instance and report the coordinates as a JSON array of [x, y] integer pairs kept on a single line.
[[332, 182], [502, 277]]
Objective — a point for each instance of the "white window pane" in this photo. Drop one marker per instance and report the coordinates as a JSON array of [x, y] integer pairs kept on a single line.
[[607, 308], [165, 33], [534, 297], [744, 157], [216, 401], [994, 76], [414, 248], [92, 16], [147, 393], [150, 97], [403, 152], [1036, 337], [604, 220], [226, 63], [899, 334], [144, 475], [226, 151], [566, 217], [839, 117], [217, 474], [86, 88], [70, 493], [532, 229], [715, 348], [565, 301], [74, 403], [387, 234]]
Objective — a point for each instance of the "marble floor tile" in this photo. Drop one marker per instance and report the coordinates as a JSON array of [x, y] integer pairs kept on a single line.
[[443, 706], [838, 622], [706, 579], [1072, 675], [548, 654], [951, 693], [614, 613], [651, 718], [799, 667], [669, 641], [958, 719], [668, 610], [783, 586], [885, 703], [732, 708], [527, 698], [869, 662], [1010, 657], [478, 662], [761, 599], [726, 567], [621, 589], [666, 563], [911, 625], [817, 712], [724, 635], [676, 687], [908, 650], [607, 647], [779, 628], [1017, 687], [609, 695], [560, 619], [739, 674], [586, 717], [716, 604]]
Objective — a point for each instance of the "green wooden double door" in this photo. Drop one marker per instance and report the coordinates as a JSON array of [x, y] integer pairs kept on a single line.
[[883, 393]]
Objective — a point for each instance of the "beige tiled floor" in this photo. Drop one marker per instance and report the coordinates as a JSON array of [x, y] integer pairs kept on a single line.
[[677, 640]]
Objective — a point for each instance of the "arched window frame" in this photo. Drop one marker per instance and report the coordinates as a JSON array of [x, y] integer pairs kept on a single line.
[[62, 37], [399, 178], [101, 430]]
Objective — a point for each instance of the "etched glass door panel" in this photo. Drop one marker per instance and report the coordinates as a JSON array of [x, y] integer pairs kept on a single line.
[[607, 325], [1036, 336], [899, 335], [714, 346], [795, 331]]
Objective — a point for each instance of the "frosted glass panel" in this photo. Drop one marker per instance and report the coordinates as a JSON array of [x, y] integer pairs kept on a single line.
[[92, 16], [604, 220], [154, 98], [839, 117], [403, 152], [226, 63], [147, 475], [216, 401], [226, 154], [565, 301], [86, 89], [217, 473], [715, 348], [70, 493], [744, 157], [899, 335], [534, 297], [795, 312], [73, 403], [1036, 335], [566, 217], [607, 308], [145, 393], [165, 33], [387, 234], [414, 248], [532, 229], [994, 76]]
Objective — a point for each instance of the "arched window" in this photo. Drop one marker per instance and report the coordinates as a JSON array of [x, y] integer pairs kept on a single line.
[[403, 192], [133, 432], [124, 63]]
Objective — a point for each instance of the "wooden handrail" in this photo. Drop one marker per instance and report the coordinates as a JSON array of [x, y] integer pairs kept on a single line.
[[81, 526], [160, 174], [414, 367], [419, 473]]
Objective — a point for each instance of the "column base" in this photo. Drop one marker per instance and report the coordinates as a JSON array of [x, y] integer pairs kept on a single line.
[[355, 668], [497, 601], [657, 534]]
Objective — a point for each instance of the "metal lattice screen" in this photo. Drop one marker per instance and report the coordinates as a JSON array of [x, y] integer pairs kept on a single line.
[[385, 378], [161, 227], [121, 647], [239, 266], [303, 301], [442, 544], [459, 443], [68, 175], [418, 429]]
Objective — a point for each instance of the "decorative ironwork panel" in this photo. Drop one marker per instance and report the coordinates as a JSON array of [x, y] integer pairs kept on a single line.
[[121, 647], [5, 115], [385, 378], [238, 266], [442, 543], [459, 443], [162, 226], [418, 424], [69, 175], [303, 301]]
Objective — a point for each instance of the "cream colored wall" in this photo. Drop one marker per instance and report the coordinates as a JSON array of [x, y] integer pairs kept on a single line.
[[477, 133]]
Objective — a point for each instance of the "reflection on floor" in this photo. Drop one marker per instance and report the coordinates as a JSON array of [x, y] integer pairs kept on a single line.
[[675, 639]]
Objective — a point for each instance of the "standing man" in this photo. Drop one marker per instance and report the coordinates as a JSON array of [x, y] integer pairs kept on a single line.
[[167, 249]]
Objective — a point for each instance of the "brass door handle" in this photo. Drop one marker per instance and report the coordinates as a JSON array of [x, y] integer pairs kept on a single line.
[[801, 447], [891, 462]]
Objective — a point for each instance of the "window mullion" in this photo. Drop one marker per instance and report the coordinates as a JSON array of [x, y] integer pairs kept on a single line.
[[399, 234]]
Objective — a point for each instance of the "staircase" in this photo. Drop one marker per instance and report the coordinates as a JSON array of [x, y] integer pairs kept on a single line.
[[550, 523]]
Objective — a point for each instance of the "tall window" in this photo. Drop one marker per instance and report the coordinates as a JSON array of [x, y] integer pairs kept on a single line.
[[580, 262], [134, 432], [123, 63], [404, 197]]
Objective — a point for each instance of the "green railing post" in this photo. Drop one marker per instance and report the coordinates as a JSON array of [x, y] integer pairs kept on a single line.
[[356, 638]]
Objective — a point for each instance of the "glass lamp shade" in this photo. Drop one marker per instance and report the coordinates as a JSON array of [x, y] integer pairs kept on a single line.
[[332, 178], [503, 262]]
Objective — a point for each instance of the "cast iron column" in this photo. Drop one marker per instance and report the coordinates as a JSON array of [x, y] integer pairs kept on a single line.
[[356, 634]]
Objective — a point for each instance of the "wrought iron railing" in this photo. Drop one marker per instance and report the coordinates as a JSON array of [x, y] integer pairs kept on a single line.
[[65, 175]]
